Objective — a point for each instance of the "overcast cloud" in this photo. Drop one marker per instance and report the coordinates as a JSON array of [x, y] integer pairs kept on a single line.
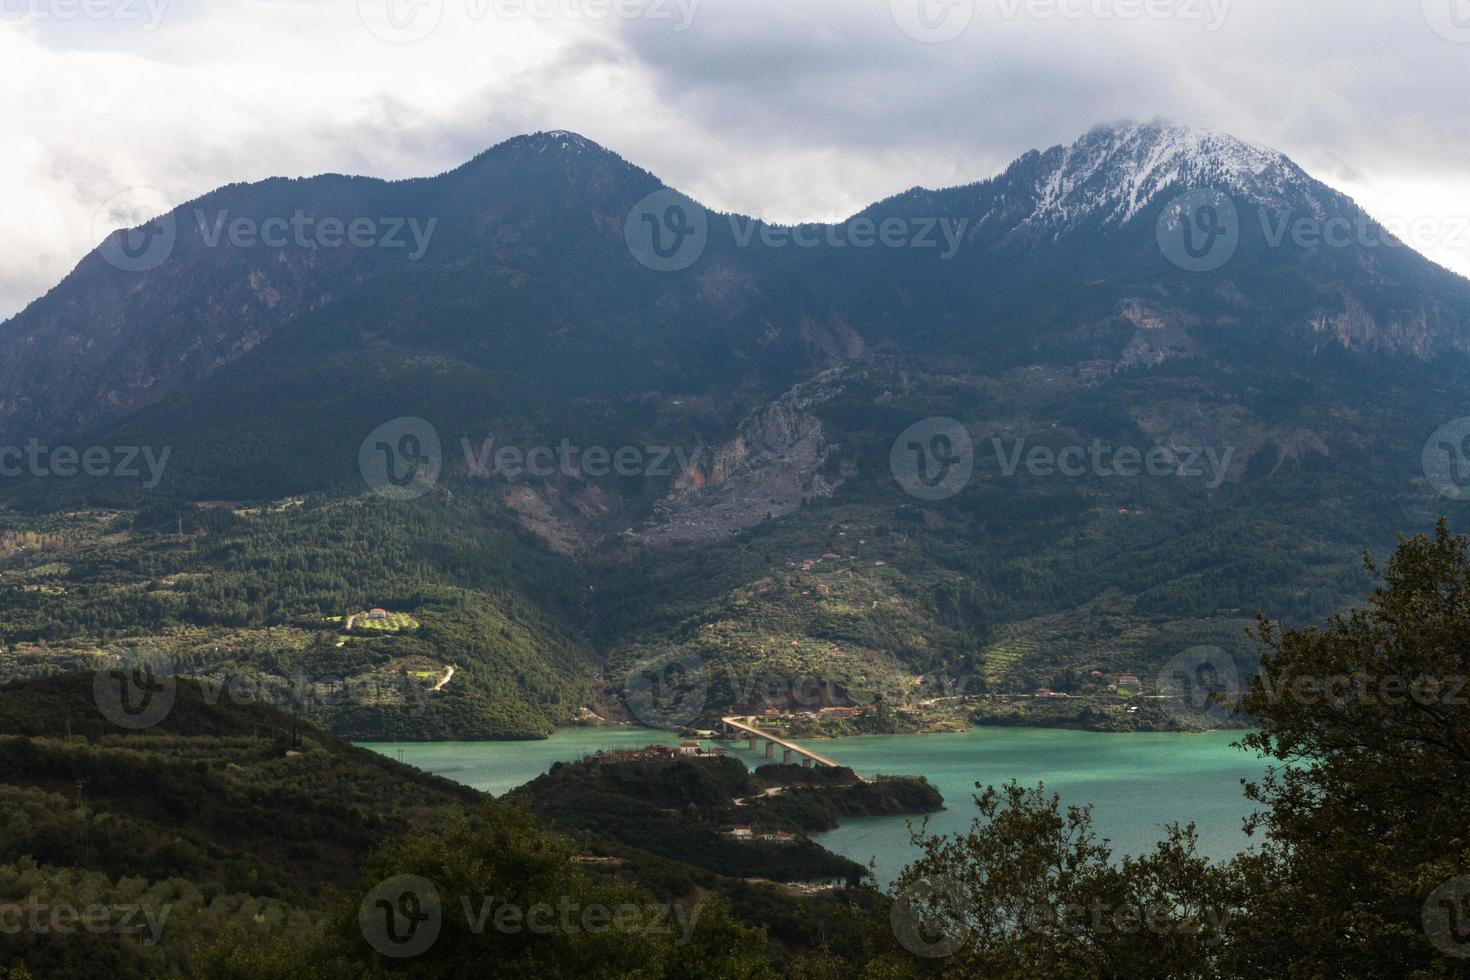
[[786, 109]]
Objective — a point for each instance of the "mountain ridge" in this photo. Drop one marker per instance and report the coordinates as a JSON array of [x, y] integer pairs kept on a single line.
[[509, 225]]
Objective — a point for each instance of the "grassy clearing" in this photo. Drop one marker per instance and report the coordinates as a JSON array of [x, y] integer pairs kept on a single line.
[[394, 622]]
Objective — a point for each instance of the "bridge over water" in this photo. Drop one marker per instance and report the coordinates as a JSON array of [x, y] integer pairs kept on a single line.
[[735, 724]]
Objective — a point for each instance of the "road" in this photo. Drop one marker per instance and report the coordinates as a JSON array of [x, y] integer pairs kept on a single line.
[[749, 729]]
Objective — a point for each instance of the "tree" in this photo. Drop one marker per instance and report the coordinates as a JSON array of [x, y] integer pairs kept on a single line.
[[1029, 891], [1367, 815], [505, 899], [1364, 868]]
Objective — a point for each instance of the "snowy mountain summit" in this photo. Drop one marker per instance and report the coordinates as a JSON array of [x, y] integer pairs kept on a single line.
[[1115, 172], [1121, 176]]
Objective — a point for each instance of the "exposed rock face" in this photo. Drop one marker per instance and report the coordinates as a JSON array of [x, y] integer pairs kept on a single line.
[[779, 458], [1160, 333]]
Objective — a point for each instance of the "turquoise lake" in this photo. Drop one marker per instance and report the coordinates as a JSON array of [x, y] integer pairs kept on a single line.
[[1136, 783]]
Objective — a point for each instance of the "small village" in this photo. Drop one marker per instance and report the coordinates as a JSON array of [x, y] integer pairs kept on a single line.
[[743, 832], [656, 753], [955, 712]]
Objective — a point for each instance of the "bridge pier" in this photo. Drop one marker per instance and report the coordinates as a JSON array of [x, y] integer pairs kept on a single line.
[[738, 728]]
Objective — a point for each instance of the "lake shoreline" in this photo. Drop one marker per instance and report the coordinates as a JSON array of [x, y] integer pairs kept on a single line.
[[1136, 782], [973, 727]]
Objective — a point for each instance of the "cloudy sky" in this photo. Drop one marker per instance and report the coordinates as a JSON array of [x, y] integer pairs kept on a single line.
[[786, 109]]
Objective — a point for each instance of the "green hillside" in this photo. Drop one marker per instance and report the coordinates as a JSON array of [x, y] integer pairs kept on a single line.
[[225, 820], [253, 600]]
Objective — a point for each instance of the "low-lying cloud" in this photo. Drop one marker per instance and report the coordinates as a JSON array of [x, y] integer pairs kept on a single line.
[[786, 111]]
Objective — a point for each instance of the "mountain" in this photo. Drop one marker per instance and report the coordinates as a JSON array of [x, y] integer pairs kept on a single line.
[[525, 267], [1148, 289], [1114, 173], [522, 247], [1083, 229]]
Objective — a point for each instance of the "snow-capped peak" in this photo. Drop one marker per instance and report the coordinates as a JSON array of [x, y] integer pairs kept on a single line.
[[1114, 172], [561, 139]]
